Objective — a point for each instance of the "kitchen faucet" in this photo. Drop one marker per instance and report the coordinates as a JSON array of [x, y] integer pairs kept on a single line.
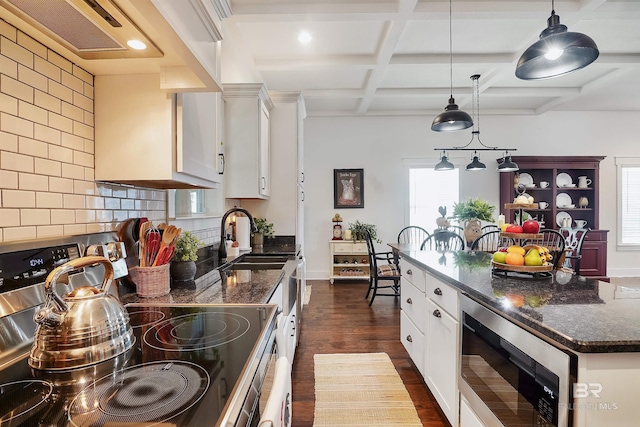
[[222, 250]]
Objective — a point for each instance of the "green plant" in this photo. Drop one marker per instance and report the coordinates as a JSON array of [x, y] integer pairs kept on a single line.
[[187, 245], [473, 209], [264, 227], [358, 228]]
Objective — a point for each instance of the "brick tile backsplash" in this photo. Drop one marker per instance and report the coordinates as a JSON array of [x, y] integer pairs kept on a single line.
[[47, 148]]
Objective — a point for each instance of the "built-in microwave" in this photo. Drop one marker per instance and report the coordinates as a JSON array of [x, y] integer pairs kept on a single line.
[[511, 377]]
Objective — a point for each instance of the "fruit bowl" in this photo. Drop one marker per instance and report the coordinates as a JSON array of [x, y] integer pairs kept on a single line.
[[523, 271]]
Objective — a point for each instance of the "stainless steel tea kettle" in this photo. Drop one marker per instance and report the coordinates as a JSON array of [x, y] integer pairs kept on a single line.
[[82, 327]]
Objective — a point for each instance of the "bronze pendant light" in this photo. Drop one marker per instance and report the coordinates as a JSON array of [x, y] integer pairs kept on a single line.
[[558, 52], [452, 118]]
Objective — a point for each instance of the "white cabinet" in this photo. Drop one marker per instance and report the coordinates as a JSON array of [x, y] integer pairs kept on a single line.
[[247, 141], [468, 418], [149, 138], [412, 316], [349, 260]]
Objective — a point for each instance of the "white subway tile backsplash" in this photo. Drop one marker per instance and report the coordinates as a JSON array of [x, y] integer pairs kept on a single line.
[[35, 217], [73, 201], [48, 102], [104, 190], [47, 134], [32, 147], [63, 216], [61, 154], [45, 231], [83, 130], [72, 141], [48, 167], [16, 88], [84, 187], [94, 202], [119, 192], [72, 112], [60, 61], [127, 204], [8, 30], [8, 142], [72, 171], [133, 193], [98, 228], [72, 82], [83, 159], [18, 199], [16, 52], [83, 75], [16, 162], [74, 229], [16, 125], [111, 203], [120, 215], [32, 78], [104, 216], [60, 91], [31, 44], [88, 119], [48, 200], [19, 233], [89, 174], [9, 180], [46, 68], [9, 103], [9, 67], [88, 90], [10, 217], [60, 185], [89, 146], [60, 122], [82, 101], [85, 215], [27, 181], [32, 113]]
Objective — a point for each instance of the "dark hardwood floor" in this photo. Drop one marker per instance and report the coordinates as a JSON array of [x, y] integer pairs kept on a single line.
[[339, 320]]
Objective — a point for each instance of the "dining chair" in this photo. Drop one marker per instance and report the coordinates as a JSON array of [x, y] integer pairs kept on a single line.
[[490, 227], [412, 235], [490, 241], [382, 267], [443, 241], [552, 240], [574, 238]]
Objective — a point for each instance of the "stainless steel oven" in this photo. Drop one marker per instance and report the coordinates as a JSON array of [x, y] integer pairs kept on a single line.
[[511, 377]]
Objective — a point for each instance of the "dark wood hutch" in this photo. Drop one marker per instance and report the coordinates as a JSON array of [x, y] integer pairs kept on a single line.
[[547, 168]]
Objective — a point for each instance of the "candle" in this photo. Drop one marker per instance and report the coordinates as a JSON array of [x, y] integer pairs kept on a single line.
[[347, 234], [500, 220]]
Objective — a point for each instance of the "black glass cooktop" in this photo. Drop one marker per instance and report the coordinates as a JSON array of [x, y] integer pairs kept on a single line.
[[185, 366]]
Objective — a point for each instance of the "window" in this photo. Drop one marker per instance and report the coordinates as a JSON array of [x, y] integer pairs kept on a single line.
[[628, 170], [428, 190]]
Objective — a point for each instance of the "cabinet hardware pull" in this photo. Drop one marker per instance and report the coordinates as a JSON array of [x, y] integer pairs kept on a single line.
[[264, 182], [437, 291], [409, 271], [302, 174], [437, 314], [409, 338], [302, 200], [409, 301]]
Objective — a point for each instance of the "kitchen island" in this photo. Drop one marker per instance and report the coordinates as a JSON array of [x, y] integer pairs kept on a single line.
[[596, 323]]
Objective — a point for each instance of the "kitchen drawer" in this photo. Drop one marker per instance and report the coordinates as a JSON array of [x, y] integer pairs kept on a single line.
[[412, 273], [443, 295], [413, 341], [413, 303], [360, 248], [342, 247]]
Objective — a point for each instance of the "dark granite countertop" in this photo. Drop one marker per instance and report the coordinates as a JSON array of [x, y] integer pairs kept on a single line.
[[584, 315]]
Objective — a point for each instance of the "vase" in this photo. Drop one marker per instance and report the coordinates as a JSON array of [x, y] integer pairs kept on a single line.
[[182, 271], [257, 240], [472, 230]]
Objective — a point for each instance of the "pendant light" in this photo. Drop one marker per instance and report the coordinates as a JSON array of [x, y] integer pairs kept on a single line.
[[452, 118], [475, 164], [558, 52], [507, 164], [445, 164]]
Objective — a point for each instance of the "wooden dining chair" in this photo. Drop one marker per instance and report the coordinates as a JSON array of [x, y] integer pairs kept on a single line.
[[382, 267], [552, 240], [443, 241], [574, 238], [413, 236], [490, 241]]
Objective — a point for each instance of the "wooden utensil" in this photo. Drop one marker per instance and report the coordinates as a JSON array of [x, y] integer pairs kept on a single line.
[[168, 236]]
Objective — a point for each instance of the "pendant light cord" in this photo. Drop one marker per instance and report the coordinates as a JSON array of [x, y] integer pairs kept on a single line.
[[450, 54]]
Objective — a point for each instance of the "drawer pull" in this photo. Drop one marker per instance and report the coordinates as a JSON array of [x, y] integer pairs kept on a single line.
[[409, 338], [409, 272], [437, 314], [437, 291], [409, 301]]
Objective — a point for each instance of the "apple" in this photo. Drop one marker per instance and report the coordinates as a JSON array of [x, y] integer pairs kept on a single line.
[[502, 249], [531, 226], [514, 229], [500, 257]]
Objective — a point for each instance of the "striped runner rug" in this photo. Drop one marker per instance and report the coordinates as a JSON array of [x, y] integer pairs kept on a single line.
[[360, 389]]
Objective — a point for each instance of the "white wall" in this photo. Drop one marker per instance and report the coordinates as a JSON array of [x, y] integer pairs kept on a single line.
[[379, 145]]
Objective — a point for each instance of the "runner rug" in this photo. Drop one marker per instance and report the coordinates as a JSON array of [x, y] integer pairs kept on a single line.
[[360, 389]]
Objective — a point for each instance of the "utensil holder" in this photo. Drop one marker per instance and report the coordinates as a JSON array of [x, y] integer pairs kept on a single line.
[[151, 281]]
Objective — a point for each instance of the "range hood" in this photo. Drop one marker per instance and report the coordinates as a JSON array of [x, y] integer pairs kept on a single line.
[[90, 29]]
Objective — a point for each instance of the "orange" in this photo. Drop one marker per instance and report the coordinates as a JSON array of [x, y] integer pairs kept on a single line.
[[514, 258], [516, 249]]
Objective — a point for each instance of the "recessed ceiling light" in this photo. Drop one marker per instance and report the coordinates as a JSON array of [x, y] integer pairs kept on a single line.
[[304, 37], [136, 44]]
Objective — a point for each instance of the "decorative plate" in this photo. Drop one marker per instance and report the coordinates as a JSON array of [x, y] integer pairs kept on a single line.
[[564, 180], [561, 216], [563, 200], [525, 179]]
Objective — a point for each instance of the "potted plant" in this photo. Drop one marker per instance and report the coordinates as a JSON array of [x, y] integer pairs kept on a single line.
[[358, 228], [265, 229], [183, 266], [469, 213]]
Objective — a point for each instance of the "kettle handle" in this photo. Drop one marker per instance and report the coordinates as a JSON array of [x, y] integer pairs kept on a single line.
[[87, 261]]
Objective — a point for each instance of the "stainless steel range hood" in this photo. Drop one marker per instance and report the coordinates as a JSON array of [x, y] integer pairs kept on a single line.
[[90, 29]]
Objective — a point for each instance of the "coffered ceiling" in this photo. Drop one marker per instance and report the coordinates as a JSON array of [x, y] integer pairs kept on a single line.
[[391, 57]]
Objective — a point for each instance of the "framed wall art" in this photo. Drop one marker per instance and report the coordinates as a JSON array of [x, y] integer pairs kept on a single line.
[[348, 188]]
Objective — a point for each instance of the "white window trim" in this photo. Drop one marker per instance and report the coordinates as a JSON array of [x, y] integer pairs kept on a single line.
[[620, 162]]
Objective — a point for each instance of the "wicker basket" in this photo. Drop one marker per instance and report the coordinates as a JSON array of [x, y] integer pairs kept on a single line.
[[151, 281]]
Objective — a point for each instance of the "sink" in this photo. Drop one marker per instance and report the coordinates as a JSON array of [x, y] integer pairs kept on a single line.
[[258, 258], [259, 262]]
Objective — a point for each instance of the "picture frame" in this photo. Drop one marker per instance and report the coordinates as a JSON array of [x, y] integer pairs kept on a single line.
[[348, 188]]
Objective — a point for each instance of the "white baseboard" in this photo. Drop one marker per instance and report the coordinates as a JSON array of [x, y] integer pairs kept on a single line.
[[623, 272]]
